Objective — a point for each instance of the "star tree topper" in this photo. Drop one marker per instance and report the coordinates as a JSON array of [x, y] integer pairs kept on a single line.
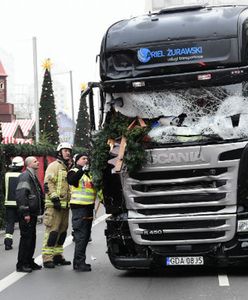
[[47, 64]]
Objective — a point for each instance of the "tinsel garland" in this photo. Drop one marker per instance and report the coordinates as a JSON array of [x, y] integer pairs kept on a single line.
[[134, 156]]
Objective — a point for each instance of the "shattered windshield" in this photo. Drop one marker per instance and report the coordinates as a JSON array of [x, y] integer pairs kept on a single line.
[[192, 114]]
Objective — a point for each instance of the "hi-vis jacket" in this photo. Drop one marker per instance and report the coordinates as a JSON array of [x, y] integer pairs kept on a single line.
[[82, 188], [11, 179], [83, 192], [56, 184]]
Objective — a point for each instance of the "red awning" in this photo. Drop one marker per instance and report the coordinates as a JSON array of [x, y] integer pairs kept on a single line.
[[10, 129], [26, 126]]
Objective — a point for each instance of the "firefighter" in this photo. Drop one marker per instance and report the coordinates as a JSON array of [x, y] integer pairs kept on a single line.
[[83, 196], [11, 179], [56, 208]]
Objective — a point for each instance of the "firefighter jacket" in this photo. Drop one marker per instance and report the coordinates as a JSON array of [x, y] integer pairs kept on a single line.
[[82, 189], [56, 185], [29, 195], [11, 179]]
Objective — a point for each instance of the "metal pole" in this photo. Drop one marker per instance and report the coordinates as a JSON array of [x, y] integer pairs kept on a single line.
[[72, 103], [36, 94], [92, 114]]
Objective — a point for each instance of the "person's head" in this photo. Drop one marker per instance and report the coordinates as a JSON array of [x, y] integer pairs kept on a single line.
[[81, 159], [64, 151], [32, 163], [17, 163]]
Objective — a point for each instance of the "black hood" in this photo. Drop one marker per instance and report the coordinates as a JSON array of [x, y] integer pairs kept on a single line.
[[206, 23], [173, 42]]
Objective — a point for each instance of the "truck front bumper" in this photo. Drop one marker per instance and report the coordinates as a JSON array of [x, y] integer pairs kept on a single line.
[[235, 253]]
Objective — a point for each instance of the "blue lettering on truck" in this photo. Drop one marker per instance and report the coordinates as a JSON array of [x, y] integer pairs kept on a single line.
[[145, 55]]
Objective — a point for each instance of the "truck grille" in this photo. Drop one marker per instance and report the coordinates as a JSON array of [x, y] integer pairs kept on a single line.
[[181, 236], [190, 185], [179, 199], [183, 210], [171, 231]]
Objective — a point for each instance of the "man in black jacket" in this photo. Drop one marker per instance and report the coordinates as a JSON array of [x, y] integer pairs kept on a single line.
[[29, 199]]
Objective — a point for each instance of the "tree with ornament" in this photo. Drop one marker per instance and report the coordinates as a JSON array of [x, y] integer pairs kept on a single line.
[[48, 122], [82, 133]]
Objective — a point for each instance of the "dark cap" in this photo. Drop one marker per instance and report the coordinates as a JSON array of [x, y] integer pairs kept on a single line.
[[80, 155]]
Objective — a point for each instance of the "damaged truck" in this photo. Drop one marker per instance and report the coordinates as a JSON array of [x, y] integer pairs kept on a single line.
[[181, 76]]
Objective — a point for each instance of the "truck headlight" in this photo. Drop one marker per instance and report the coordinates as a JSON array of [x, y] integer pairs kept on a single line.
[[242, 226]]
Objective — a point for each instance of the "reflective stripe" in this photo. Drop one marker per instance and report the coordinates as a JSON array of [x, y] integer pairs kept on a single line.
[[59, 182], [8, 176], [53, 195], [64, 204], [58, 250], [85, 192], [81, 202], [100, 195], [81, 197], [47, 251], [9, 203], [8, 236], [49, 203], [23, 185], [12, 174]]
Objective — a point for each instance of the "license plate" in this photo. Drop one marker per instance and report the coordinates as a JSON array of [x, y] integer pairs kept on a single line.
[[184, 261]]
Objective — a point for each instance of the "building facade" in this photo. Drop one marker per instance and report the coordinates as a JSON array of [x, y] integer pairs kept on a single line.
[[6, 109]]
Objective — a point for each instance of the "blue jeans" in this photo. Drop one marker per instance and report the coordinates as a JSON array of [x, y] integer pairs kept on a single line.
[[81, 223]]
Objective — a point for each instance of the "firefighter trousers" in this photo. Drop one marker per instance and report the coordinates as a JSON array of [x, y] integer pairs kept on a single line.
[[11, 218], [56, 222]]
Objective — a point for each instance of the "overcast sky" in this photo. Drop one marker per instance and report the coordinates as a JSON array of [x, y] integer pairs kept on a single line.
[[69, 32]]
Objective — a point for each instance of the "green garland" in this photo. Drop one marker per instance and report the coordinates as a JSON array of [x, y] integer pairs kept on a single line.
[[117, 127], [135, 155], [10, 150]]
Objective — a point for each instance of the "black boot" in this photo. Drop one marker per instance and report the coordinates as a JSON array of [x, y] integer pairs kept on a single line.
[[24, 269], [83, 268], [8, 247], [8, 243], [59, 260], [34, 266], [49, 265], [76, 266]]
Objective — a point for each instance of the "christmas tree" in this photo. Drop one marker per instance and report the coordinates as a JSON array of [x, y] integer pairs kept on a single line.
[[48, 122], [82, 133]]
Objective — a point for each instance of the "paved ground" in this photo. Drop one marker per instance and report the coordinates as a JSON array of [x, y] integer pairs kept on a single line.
[[105, 282]]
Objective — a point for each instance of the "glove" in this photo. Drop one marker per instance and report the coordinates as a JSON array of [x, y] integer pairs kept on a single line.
[[56, 203], [85, 168], [46, 189]]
